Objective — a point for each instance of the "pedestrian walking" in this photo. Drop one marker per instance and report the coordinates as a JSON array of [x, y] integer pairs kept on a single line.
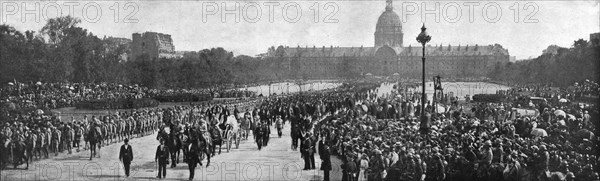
[[162, 157], [192, 159], [126, 156]]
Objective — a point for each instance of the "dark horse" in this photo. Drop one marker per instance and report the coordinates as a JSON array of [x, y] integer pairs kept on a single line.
[[94, 137], [175, 145], [215, 134], [5, 149], [202, 141], [19, 153]]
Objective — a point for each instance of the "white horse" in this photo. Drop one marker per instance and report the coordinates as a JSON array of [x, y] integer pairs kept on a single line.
[[231, 133]]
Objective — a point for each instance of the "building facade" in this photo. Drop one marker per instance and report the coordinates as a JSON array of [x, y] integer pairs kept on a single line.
[[595, 39], [152, 46], [388, 57]]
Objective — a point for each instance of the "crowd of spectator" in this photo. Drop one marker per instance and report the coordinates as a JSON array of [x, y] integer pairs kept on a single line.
[[382, 139]]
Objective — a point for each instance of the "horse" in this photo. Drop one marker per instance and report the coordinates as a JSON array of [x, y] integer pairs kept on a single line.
[[94, 137], [202, 141], [230, 136], [205, 147], [4, 148], [174, 145], [216, 138], [19, 153], [185, 144], [231, 133]]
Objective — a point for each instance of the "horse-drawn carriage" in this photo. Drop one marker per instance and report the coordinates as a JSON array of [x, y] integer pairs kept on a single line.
[[232, 133]]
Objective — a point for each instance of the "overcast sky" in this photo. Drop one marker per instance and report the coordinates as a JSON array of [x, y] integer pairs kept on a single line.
[[525, 28]]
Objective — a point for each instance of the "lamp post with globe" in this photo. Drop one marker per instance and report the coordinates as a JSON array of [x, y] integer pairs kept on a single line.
[[423, 38]]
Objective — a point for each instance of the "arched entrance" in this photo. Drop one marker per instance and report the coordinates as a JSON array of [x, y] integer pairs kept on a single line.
[[386, 61]]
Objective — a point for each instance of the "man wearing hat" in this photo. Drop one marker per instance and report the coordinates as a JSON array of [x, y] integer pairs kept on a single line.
[[513, 168], [326, 160], [377, 166], [162, 157], [306, 149], [126, 156], [486, 159]]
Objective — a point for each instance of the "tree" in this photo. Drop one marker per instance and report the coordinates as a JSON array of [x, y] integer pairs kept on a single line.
[[55, 27]]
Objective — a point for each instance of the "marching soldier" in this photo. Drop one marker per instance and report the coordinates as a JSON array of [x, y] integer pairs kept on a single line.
[[266, 133], [40, 142], [31, 142], [258, 135], [162, 157], [47, 141], [279, 125], [77, 135], [56, 134], [69, 138]]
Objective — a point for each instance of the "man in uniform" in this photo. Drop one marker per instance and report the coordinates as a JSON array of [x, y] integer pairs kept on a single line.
[[162, 157], [279, 125], [259, 134], [31, 143], [55, 140], [47, 141], [77, 131], [40, 143], [69, 138], [266, 132]]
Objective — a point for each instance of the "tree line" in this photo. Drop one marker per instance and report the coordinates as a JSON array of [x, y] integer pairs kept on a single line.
[[557, 66], [63, 51]]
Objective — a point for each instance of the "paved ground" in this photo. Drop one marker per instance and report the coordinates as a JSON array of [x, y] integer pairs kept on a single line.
[[275, 162]]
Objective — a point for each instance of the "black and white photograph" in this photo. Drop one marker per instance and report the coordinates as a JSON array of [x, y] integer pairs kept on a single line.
[[299, 90]]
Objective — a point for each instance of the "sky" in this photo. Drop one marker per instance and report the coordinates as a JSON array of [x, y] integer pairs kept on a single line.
[[525, 28]]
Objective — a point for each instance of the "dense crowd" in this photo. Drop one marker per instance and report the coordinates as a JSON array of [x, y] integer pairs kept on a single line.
[[381, 139], [38, 95], [577, 91]]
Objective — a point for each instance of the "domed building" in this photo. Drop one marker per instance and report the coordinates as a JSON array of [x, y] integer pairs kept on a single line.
[[388, 57], [388, 30]]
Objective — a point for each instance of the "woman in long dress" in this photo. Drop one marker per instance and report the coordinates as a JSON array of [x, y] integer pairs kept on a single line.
[[364, 164]]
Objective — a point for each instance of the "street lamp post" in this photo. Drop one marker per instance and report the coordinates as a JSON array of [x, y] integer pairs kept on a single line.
[[423, 38]]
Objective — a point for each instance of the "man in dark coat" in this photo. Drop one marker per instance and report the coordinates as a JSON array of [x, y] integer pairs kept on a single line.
[[306, 148], [266, 130], [193, 159], [326, 161], [259, 135], [162, 156], [126, 156]]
